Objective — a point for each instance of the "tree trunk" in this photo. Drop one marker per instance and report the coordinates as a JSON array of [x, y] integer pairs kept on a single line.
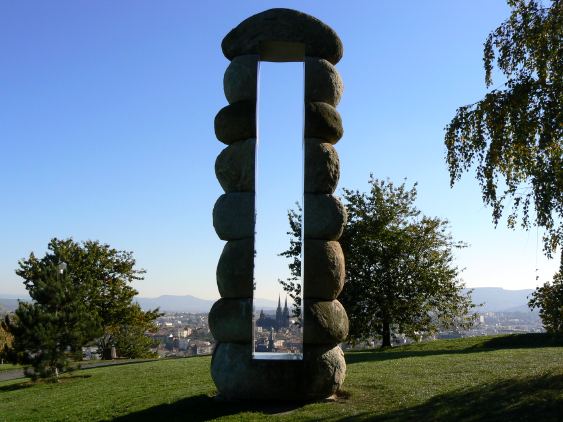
[[386, 334], [106, 353]]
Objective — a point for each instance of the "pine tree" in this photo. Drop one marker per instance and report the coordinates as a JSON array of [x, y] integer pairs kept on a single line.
[[52, 328], [103, 277]]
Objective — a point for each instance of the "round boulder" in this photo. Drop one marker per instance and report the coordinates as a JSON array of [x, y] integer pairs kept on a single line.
[[283, 26], [325, 217], [323, 269], [322, 121], [326, 322], [322, 167], [238, 377], [240, 80], [236, 122], [233, 216], [235, 270], [322, 82], [234, 166], [230, 320]]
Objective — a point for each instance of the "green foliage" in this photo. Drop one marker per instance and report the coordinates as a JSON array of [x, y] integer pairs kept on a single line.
[[56, 325], [450, 380], [513, 135], [103, 276], [130, 339], [549, 299], [292, 285], [400, 274], [6, 340]]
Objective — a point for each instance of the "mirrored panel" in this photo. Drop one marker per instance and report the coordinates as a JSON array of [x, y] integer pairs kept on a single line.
[[277, 321]]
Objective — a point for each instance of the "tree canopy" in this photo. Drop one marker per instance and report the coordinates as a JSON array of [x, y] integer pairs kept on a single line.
[[400, 274], [103, 277], [512, 137]]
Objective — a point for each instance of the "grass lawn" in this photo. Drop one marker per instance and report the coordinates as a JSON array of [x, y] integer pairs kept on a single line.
[[485, 378], [9, 367]]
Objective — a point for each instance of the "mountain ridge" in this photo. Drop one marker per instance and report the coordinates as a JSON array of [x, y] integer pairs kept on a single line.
[[494, 299]]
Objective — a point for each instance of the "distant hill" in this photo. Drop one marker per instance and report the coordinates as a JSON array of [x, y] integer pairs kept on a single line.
[[189, 303], [8, 304], [497, 299]]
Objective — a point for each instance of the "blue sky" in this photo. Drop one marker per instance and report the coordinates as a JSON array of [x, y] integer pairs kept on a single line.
[[106, 126]]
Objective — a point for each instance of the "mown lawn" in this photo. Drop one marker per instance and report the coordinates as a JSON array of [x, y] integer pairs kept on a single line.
[[9, 367], [485, 378]]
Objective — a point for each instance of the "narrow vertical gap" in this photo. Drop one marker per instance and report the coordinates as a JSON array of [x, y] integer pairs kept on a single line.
[[277, 332]]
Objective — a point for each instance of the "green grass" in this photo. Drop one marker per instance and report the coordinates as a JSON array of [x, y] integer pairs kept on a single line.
[[9, 367], [485, 378]]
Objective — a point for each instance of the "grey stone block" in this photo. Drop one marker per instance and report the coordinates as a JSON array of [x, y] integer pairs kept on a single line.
[[325, 322], [235, 168], [240, 80], [322, 121], [283, 26], [230, 320], [236, 122], [323, 269], [322, 167], [235, 270], [233, 216], [325, 217], [237, 376], [322, 82]]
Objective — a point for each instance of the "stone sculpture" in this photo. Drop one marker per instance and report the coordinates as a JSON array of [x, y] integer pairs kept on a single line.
[[280, 35]]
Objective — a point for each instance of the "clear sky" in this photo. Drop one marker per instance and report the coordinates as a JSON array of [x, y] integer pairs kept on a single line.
[[106, 126]]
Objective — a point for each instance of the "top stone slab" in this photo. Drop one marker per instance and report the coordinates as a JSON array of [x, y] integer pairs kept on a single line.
[[276, 35]]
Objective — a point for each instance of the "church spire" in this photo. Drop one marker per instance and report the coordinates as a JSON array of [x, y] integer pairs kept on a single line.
[[279, 314]]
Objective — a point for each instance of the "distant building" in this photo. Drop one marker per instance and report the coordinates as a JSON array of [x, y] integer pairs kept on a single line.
[[281, 320]]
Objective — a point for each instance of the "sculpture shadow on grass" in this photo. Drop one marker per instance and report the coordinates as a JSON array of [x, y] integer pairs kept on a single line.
[[204, 407], [520, 399], [529, 340]]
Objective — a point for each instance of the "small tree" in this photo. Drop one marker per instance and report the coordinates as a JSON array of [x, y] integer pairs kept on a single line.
[[292, 285], [549, 299], [399, 267], [400, 274], [130, 338], [103, 276], [57, 323]]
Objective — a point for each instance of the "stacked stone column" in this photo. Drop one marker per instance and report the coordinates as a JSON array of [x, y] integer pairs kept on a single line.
[[279, 35]]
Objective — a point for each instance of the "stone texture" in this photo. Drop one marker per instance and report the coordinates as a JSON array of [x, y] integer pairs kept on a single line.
[[319, 375], [285, 26], [322, 82], [233, 216], [235, 270], [322, 121], [323, 269], [322, 167], [326, 322], [325, 217], [240, 80], [236, 122], [230, 320], [234, 166]]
